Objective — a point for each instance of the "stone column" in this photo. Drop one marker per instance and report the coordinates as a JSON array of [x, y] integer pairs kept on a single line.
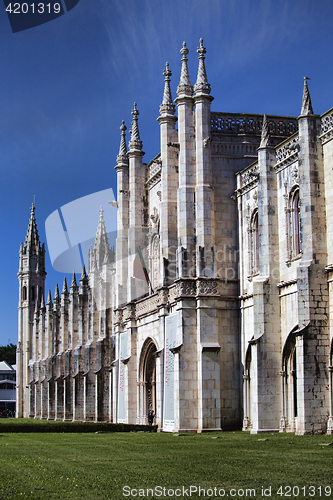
[[169, 184], [204, 194], [136, 235], [122, 220], [186, 219]]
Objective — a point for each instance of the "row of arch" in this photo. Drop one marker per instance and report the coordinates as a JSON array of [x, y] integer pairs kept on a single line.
[[35, 293], [290, 389]]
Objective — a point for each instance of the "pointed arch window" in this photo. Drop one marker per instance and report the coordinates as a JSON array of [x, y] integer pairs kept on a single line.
[[290, 389], [294, 229], [254, 243]]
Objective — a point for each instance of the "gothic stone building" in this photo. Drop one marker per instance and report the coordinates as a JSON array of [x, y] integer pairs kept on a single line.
[[217, 311]]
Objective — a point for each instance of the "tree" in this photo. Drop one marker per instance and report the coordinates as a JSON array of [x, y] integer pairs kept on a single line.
[[8, 353]]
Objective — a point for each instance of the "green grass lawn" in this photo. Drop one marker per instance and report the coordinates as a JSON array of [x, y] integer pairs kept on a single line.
[[105, 466]]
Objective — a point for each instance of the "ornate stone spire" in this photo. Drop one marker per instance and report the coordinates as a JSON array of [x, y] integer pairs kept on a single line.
[[184, 86], [135, 142], [122, 158], [42, 302], [56, 294], [84, 281], [306, 101], [73, 284], [264, 133], [167, 105], [32, 239], [64, 287], [49, 299], [101, 250], [202, 85], [84, 275]]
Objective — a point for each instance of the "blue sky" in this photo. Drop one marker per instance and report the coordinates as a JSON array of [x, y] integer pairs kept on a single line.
[[66, 86]]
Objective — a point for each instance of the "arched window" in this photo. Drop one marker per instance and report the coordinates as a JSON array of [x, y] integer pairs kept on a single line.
[[254, 243], [295, 224], [24, 293]]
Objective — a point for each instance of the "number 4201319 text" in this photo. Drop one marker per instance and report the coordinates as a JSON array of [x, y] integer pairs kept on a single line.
[[33, 8]]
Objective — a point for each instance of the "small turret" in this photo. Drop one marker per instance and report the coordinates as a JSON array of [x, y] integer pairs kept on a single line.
[[265, 136], [74, 283], [169, 181], [306, 100], [84, 281], [202, 85], [49, 299], [184, 87], [101, 253], [135, 142], [56, 298], [32, 242], [64, 287], [122, 169], [167, 106], [122, 158], [137, 177], [204, 194]]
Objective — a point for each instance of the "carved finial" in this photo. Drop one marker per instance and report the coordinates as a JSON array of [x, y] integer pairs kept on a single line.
[[73, 284], [64, 287], [56, 293], [306, 101], [42, 302], [84, 274], [167, 105], [49, 299], [184, 86], [135, 142], [202, 84], [100, 254], [264, 132], [32, 239], [122, 158]]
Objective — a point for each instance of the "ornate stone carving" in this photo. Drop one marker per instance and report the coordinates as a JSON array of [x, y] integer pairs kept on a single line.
[[163, 296], [287, 153], [207, 287], [186, 287], [153, 173], [249, 178], [147, 305], [327, 127], [129, 312], [172, 293], [236, 123], [118, 316]]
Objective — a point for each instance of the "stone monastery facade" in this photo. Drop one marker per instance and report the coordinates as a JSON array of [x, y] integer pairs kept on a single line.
[[217, 312]]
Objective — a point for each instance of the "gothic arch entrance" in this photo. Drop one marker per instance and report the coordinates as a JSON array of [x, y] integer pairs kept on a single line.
[[147, 380], [289, 384]]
